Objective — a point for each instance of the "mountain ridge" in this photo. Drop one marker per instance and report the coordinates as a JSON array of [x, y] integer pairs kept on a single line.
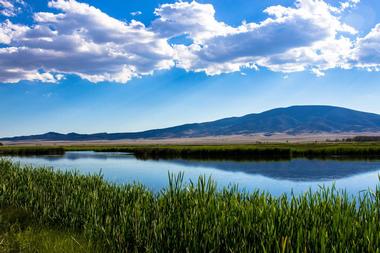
[[293, 120]]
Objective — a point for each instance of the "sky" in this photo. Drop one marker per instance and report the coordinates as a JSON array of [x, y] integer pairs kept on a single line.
[[119, 66]]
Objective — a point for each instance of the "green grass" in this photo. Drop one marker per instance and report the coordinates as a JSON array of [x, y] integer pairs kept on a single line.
[[20, 233], [278, 151], [30, 150], [195, 217]]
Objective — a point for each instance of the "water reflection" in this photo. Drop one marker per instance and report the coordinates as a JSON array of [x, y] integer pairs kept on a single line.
[[274, 177], [79, 155], [294, 170]]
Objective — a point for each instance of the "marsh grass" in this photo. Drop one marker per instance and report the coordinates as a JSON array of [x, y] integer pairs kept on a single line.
[[276, 151], [279, 151], [20, 233], [193, 217], [32, 150]]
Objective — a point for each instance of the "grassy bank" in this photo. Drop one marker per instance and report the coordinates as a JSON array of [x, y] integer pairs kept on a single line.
[[191, 218], [247, 152], [281, 151], [31, 150]]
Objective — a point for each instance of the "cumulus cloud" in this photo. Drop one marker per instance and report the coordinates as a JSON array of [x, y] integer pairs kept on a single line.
[[11, 8], [10, 31], [367, 50], [193, 19], [78, 39], [291, 39]]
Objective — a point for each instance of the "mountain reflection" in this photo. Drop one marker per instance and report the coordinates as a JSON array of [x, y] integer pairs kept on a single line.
[[293, 170]]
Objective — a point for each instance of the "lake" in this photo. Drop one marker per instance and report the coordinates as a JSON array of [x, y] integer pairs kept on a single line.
[[275, 177]]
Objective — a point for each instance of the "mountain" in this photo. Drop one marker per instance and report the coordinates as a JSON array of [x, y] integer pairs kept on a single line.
[[291, 120]]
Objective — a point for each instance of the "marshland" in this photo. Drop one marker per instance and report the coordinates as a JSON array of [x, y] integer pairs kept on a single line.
[[154, 198], [193, 217], [259, 151]]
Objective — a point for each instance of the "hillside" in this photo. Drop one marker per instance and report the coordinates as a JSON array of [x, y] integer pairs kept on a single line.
[[291, 120]]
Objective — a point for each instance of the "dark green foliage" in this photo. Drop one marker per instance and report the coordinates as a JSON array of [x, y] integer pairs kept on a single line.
[[19, 232], [280, 151], [248, 152], [364, 139], [27, 151], [194, 217], [205, 152]]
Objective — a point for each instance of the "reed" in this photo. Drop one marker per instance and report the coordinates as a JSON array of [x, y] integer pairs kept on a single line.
[[248, 152], [19, 233], [28, 151], [279, 151], [192, 217]]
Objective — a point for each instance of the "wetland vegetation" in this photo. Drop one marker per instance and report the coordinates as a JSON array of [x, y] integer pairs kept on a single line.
[[261, 151], [194, 217]]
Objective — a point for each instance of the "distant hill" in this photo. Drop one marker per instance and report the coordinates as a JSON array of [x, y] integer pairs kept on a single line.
[[291, 120]]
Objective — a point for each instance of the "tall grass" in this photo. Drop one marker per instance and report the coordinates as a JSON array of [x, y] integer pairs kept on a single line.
[[27, 151], [250, 152], [280, 151], [19, 233], [192, 217]]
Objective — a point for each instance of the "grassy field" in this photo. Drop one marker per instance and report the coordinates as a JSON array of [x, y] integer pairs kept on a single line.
[[186, 218], [280, 151]]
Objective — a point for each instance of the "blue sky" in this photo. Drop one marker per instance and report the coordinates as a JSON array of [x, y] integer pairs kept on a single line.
[[189, 62]]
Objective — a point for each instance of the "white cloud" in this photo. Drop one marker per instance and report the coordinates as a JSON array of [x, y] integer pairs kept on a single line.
[[11, 8], [79, 39], [367, 51], [321, 56], [291, 39], [346, 5], [6, 4], [193, 19], [10, 31], [136, 13]]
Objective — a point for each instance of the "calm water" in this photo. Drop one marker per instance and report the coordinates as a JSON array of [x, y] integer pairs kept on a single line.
[[274, 177]]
